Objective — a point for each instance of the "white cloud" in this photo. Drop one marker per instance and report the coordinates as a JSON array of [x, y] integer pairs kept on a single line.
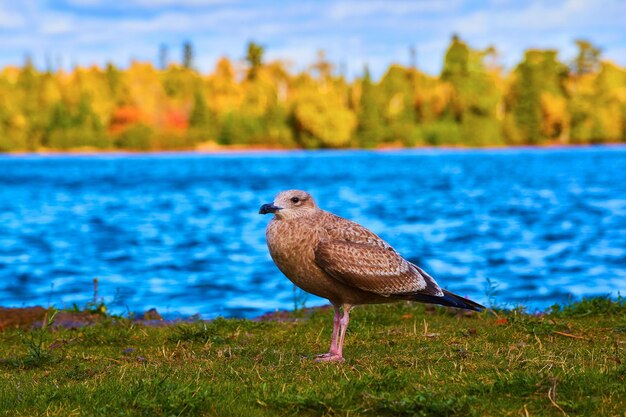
[[10, 19], [153, 4], [57, 24], [375, 8], [162, 3]]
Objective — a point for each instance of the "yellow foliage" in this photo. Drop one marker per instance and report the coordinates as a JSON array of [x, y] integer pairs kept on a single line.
[[146, 90], [610, 122], [396, 105], [555, 116], [10, 73], [141, 107], [325, 119], [18, 122], [439, 98], [227, 94]]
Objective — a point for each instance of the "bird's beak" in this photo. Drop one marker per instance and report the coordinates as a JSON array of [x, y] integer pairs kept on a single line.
[[269, 208]]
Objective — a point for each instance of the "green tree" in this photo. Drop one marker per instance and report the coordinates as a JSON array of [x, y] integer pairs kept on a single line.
[[610, 86], [527, 106], [539, 77], [370, 130], [136, 137], [588, 58], [456, 61], [590, 96], [32, 106], [188, 55], [88, 126], [475, 99], [60, 119], [397, 94], [240, 128], [254, 58], [278, 132], [72, 128], [179, 83], [202, 121], [114, 79]]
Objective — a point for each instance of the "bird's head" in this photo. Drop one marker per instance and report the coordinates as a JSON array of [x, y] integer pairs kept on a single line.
[[290, 204]]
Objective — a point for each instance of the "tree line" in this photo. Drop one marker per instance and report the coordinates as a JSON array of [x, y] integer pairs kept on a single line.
[[255, 103]]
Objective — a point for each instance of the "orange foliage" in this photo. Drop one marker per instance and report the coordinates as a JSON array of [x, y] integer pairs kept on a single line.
[[175, 119], [125, 116]]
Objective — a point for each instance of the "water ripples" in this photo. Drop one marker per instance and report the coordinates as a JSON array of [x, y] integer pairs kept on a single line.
[[182, 233]]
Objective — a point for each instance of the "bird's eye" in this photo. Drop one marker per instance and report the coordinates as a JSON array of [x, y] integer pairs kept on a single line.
[[295, 200]]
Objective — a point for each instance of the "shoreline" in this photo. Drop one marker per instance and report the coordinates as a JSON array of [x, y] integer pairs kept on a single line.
[[29, 316], [246, 150]]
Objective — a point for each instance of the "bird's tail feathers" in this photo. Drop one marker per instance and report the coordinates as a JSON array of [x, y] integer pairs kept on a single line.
[[448, 299]]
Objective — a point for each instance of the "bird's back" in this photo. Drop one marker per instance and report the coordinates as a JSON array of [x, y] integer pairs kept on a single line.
[[292, 245], [340, 260]]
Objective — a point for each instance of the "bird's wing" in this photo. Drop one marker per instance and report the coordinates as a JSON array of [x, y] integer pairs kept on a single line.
[[338, 228], [367, 267], [357, 257]]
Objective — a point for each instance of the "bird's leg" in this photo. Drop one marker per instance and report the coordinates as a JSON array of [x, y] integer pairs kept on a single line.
[[336, 327], [334, 340], [343, 325]]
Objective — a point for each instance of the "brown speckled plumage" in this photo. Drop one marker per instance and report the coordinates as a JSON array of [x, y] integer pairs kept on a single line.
[[344, 262]]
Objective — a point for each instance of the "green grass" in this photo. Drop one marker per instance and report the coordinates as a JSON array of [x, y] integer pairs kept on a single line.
[[401, 360]]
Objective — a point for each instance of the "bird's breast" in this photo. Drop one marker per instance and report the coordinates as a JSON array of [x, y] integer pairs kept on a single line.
[[291, 241], [291, 245]]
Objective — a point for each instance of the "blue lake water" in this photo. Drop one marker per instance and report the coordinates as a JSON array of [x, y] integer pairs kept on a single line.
[[180, 232]]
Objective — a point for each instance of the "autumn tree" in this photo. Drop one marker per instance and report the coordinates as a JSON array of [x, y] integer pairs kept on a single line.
[[321, 118], [471, 102], [471, 117], [398, 105], [538, 96], [595, 97], [597, 104]]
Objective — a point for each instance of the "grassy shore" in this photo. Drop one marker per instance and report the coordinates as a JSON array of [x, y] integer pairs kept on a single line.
[[402, 359]]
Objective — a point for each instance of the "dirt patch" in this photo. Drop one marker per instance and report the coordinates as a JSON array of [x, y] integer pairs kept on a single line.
[[27, 317], [20, 317]]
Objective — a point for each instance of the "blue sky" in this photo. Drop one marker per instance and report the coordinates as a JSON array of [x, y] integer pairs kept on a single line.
[[352, 32]]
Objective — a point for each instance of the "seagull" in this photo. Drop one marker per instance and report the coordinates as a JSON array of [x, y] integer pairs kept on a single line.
[[342, 261]]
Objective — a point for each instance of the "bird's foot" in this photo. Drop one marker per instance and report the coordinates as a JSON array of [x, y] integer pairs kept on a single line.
[[329, 357]]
